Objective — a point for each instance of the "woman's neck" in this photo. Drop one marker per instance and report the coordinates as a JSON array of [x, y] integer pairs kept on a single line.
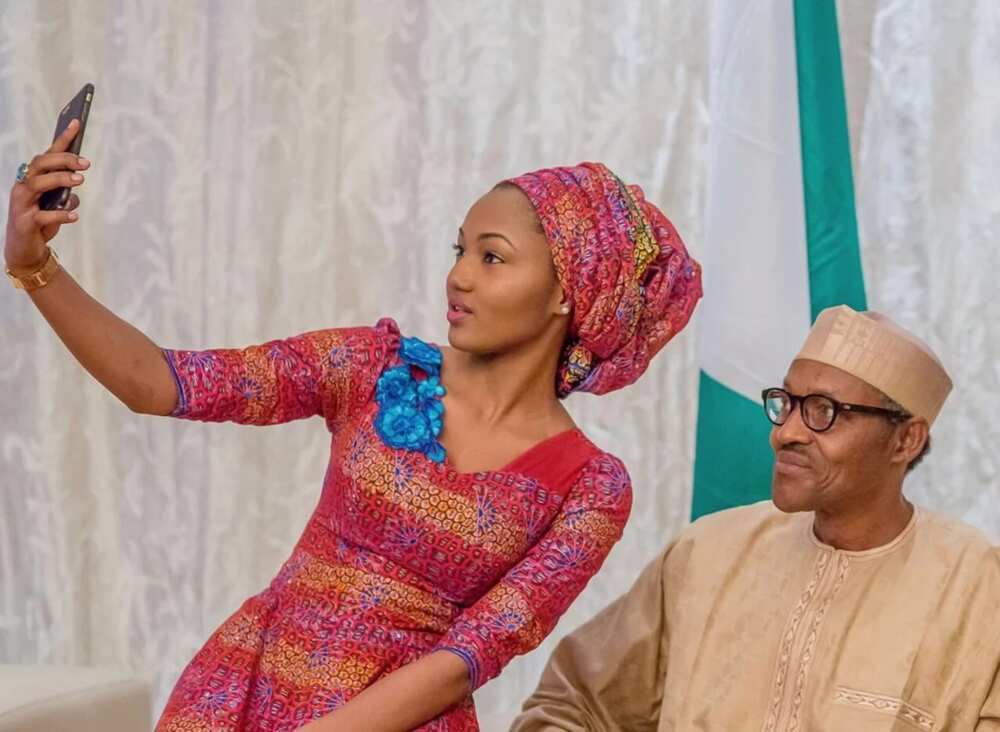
[[517, 384]]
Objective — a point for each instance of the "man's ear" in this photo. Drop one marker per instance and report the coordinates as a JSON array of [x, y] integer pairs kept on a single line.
[[912, 438]]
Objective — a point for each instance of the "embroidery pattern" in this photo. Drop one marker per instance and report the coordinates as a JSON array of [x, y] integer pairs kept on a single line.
[[785, 654], [805, 662], [887, 704]]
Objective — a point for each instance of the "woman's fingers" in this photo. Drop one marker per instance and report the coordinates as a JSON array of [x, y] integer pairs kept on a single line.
[[53, 169], [48, 162], [26, 193], [47, 172], [61, 143], [56, 217], [28, 226], [49, 231], [50, 221], [39, 184], [36, 220]]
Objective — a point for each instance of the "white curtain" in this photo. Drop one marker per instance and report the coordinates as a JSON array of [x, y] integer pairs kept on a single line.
[[264, 168]]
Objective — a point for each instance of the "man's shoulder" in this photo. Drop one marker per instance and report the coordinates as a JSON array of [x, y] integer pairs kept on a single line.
[[718, 543], [744, 523], [956, 541]]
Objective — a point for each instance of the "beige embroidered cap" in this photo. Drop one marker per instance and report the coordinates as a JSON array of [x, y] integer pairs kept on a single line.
[[876, 350]]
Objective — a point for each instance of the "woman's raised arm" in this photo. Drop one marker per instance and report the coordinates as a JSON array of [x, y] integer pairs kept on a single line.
[[115, 353]]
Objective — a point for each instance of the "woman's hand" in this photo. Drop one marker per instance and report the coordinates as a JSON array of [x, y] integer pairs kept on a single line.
[[404, 699], [30, 228], [128, 363]]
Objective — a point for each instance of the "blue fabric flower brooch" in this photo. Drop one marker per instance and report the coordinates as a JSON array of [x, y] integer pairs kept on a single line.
[[410, 411]]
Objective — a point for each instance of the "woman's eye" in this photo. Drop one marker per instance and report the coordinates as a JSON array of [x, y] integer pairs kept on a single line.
[[491, 258], [458, 249]]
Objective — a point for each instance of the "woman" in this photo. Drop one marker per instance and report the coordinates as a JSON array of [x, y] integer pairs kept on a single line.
[[462, 511]]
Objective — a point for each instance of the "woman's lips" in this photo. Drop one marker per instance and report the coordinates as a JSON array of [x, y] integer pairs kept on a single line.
[[457, 313]]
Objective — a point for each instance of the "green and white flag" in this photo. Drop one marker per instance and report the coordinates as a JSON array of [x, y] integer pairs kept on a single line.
[[781, 234]]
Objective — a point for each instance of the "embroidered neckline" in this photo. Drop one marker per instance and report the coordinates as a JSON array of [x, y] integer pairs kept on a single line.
[[410, 411], [878, 551]]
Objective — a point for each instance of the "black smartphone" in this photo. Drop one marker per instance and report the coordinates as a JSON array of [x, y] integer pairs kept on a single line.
[[78, 108]]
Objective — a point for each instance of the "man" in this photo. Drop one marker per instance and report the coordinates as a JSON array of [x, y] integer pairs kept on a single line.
[[839, 606]]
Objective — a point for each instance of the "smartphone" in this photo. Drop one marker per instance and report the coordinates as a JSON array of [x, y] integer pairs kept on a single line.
[[78, 108]]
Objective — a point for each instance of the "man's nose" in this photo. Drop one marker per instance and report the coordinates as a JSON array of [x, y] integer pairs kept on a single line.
[[793, 432]]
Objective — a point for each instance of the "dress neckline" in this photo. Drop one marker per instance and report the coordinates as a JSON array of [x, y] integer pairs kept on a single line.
[[524, 456], [410, 412]]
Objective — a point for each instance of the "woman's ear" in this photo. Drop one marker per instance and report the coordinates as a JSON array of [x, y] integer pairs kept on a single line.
[[563, 305]]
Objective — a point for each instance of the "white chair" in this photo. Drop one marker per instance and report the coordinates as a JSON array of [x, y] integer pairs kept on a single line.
[[74, 699]]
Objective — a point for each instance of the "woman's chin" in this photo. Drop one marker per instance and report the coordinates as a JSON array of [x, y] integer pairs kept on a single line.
[[457, 339], [461, 339]]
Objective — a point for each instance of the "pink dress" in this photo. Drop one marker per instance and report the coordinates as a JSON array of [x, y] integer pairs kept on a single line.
[[402, 556]]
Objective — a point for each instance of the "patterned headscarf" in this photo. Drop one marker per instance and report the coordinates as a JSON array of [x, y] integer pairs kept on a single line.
[[623, 268]]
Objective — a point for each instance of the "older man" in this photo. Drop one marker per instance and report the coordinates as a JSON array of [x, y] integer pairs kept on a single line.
[[839, 606]]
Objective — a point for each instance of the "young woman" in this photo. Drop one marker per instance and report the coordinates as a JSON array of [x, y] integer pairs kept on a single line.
[[462, 511]]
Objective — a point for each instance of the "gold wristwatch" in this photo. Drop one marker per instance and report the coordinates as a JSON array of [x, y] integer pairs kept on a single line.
[[40, 277]]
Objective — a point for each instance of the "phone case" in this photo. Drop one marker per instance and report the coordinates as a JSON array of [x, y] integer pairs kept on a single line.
[[78, 108]]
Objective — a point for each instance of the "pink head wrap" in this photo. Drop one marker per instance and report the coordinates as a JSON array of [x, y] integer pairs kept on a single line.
[[622, 266]]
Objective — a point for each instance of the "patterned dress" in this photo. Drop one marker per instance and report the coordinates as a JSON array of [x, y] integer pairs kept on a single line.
[[402, 556]]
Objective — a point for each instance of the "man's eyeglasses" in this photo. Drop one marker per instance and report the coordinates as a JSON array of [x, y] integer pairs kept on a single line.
[[818, 411]]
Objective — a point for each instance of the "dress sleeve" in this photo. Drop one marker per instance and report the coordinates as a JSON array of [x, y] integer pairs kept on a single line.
[[516, 614], [609, 673], [324, 372]]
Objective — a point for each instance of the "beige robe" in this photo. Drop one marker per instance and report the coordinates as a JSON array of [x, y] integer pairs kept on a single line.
[[748, 622]]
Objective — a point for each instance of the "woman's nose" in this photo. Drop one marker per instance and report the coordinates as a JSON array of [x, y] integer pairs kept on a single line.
[[460, 278]]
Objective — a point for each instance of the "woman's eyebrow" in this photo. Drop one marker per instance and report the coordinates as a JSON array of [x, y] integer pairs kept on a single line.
[[492, 234]]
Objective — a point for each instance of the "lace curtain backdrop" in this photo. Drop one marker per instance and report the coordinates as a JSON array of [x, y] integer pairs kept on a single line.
[[263, 169]]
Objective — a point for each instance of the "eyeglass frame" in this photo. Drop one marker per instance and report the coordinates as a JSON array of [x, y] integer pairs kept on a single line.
[[894, 415]]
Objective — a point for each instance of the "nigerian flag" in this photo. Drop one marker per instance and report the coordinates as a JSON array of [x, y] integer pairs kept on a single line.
[[781, 235]]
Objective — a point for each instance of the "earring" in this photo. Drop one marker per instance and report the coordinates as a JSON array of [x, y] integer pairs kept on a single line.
[[565, 310]]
